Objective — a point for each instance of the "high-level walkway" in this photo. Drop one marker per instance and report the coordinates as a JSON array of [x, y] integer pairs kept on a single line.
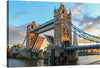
[[95, 46]]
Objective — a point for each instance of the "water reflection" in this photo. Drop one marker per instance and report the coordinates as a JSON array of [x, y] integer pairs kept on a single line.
[[40, 62], [83, 60], [25, 63]]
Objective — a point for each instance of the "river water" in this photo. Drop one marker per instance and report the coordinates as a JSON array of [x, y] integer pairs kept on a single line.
[[82, 60]]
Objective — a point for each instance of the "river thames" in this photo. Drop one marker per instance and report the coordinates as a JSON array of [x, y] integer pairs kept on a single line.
[[82, 60]]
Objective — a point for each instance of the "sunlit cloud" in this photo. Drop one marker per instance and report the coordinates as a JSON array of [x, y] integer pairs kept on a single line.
[[76, 9], [16, 35], [22, 33], [87, 23], [96, 32], [93, 31]]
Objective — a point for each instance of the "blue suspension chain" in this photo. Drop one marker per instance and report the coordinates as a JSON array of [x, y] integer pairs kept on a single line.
[[84, 34]]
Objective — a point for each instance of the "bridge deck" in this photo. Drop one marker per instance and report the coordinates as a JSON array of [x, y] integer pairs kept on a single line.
[[83, 47]]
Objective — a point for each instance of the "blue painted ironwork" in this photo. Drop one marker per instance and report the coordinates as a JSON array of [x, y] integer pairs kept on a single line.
[[75, 42], [24, 41], [95, 46], [42, 25], [22, 48], [81, 33], [69, 45], [34, 53]]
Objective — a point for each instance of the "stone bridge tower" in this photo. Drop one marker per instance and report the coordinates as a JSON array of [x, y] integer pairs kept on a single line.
[[62, 35], [30, 36]]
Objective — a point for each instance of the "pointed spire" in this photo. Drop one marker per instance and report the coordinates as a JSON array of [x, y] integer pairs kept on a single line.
[[69, 11], [30, 23], [55, 9], [75, 42], [62, 3], [27, 23], [33, 21]]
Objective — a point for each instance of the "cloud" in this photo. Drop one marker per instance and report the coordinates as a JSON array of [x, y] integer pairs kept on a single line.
[[19, 14], [93, 31], [84, 19], [87, 23], [16, 35], [76, 9], [23, 34]]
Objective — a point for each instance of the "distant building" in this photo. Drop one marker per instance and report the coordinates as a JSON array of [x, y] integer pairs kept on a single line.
[[15, 48], [93, 51], [8, 49]]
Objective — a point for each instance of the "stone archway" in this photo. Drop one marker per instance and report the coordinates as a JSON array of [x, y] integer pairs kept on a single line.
[[66, 43]]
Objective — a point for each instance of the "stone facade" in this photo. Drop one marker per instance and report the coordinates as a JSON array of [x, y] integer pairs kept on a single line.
[[62, 35], [30, 36]]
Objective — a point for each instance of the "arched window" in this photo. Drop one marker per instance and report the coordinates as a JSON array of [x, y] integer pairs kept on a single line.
[[32, 26], [63, 28], [64, 31], [67, 43], [62, 11], [67, 32]]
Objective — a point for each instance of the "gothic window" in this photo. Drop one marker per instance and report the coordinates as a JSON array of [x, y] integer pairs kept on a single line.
[[64, 34], [67, 32], [66, 43], [63, 11], [64, 31], [63, 28], [32, 26], [31, 38]]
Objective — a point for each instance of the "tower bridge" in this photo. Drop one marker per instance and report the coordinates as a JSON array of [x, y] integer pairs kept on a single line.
[[62, 41]]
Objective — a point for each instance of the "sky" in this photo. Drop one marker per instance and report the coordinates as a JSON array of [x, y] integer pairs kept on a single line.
[[85, 16]]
